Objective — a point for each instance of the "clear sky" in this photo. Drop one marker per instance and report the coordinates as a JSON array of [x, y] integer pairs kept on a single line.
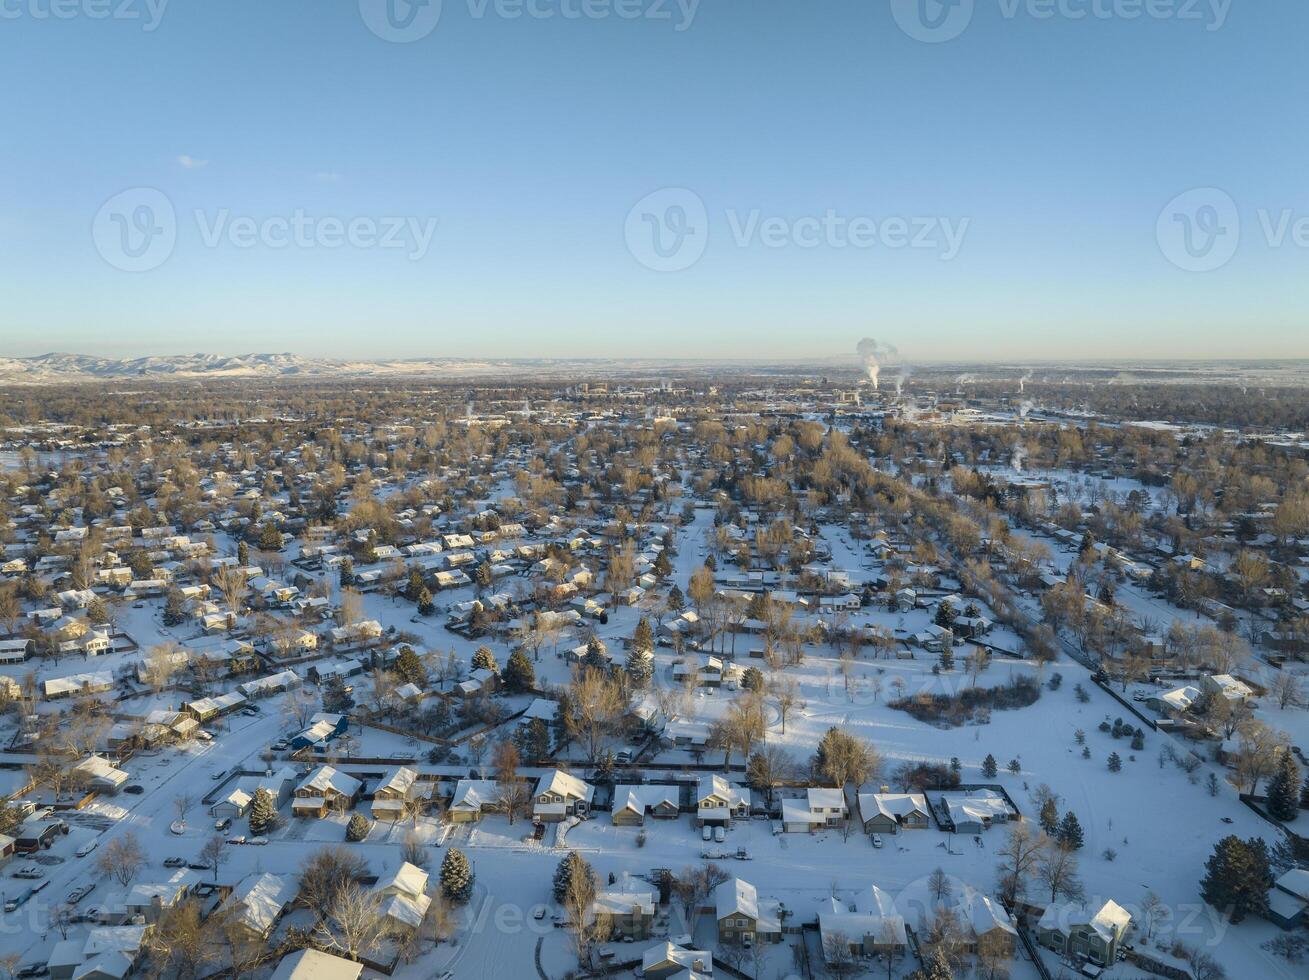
[[1004, 193]]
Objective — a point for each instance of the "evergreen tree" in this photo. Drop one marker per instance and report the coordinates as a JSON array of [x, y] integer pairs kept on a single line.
[[174, 608], [643, 638], [263, 812], [989, 766], [1284, 789], [753, 680], [270, 538], [533, 740], [484, 575], [242, 554], [97, 611], [1115, 762], [662, 566], [947, 657], [410, 668], [415, 586], [1049, 817], [346, 572], [1087, 551], [1304, 794], [484, 659], [1069, 835], [358, 827], [1237, 877], [519, 675], [1138, 741], [425, 604], [595, 653], [572, 864], [336, 699], [456, 877], [935, 967], [640, 666], [676, 601]]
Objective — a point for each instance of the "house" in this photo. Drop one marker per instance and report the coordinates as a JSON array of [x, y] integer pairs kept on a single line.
[[104, 953], [632, 803], [323, 727], [404, 898], [1227, 686], [821, 807], [887, 813], [667, 960], [479, 681], [627, 912], [268, 686], [1176, 702], [310, 964], [100, 774], [77, 684], [15, 651], [559, 795], [471, 797], [326, 789], [1075, 930], [980, 922], [151, 899], [259, 901], [871, 925], [973, 811], [206, 709], [1288, 900], [396, 796], [717, 801], [742, 915]]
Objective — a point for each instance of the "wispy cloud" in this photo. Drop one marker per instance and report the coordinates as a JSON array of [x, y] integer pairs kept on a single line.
[[189, 162], [327, 176]]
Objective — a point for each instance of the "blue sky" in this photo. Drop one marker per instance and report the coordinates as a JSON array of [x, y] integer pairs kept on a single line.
[[1048, 145]]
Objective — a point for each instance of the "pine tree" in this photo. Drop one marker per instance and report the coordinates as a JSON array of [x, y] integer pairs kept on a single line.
[[1237, 877], [270, 538], [415, 586], [519, 675], [1284, 790], [573, 863], [174, 608], [242, 554], [989, 766], [595, 653], [484, 575], [947, 657], [1049, 817], [358, 827], [643, 638], [1115, 762], [640, 666], [1069, 835], [753, 679], [410, 668], [336, 699], [484, 659], [1138, 741], [425, 603], [456, 877], [263, 812], [935, 967], [533, 740], [676, 601]]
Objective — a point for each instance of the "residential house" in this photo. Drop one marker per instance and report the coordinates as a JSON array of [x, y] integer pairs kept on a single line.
[[718, 802], [668, 960], [1288, 900], [560, 795], [397, 795], [742, 915], [887, 813], [1094, 932], [627, 912], [325, 790], [152, 899], [259, 901], [820, 808], [632, 803], [870, 925], [404, 898], [310, 964]]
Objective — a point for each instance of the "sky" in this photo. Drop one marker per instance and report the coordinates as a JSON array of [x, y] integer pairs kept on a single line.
[[976, 179]]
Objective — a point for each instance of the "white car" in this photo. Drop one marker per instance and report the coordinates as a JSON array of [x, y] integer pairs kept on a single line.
[[87, 848], [877, 840], [720, 835], [707, 833]]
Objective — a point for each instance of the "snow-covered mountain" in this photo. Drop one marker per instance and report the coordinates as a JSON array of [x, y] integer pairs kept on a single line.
[[52, 368]]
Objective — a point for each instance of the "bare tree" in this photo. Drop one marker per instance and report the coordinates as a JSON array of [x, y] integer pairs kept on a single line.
[[214, 853], [353, 923], [121, 858]]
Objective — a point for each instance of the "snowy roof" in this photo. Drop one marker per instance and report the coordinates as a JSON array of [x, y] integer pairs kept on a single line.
[[310, 964], [564, 784], [736, 897], [1109, 921], [261, 899]]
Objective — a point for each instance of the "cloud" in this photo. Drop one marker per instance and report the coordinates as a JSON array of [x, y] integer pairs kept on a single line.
[[189, 162], [327, 176]]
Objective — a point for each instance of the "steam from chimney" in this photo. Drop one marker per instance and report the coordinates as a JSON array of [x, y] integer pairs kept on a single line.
[[1026, 407], [1018, 458], [873, 355], [1022, 382]]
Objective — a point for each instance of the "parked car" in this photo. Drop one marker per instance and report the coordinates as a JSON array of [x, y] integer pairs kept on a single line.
[[877, 840], [31, 970], [720, 835], [30, 872], [707, 833], [221, 825], [199, 866], [250, 712], [221, 774], [87, 848], [236, 840], [258, 841], [279, 745], [136, 789], [174, 862]]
